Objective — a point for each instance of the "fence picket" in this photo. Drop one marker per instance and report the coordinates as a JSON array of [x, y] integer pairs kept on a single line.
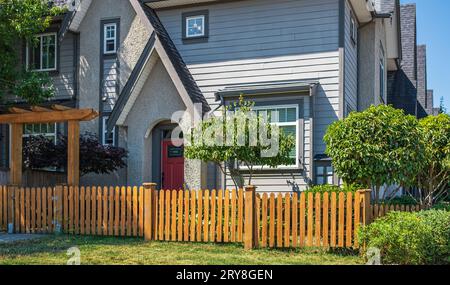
[[82, 210], [302, 210], [325, 219], [226, 209], [272, 221], [44, 209], [233, 215], [186, 215], [32, 210], [206, 217], [295, 220], [27, 210], [111, 212], [174, 216], [318, 213], [88, 210], [93, 210], [22, 210], [193, 214], [264, 221], [341, 219], [199, 215], [213, 216], [167, 216], [180, 215], [349, 216], [333, 219], [219, 215], [357, 217], [310, 225], [280, 220], [129, 210], [99, 211], [287, 220], [240, 225], [76, 201]]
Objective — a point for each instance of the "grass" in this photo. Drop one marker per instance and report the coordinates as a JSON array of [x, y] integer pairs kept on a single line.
[[98, 250]]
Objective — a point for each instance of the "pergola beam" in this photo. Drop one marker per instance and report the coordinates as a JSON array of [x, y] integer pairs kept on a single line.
[[40, 109], [16, 110], [57, 107], [49, 117]]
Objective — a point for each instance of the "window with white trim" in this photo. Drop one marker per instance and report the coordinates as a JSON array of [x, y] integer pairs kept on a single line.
[[108, 138], [47, 130], [110, 38], [41, 55], [195, 26], [286, 118], [324, 174]]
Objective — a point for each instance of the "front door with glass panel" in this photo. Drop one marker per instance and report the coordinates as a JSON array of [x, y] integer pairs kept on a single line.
[[172, 167]]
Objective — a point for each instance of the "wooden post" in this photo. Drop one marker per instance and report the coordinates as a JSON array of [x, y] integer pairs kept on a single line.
[[149, 210], [16, 154], [58, 209], [250, 230], [73, 153], [366, 216]]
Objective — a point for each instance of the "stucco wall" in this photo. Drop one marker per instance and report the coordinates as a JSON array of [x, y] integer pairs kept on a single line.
[[157, 102], [133, 37]]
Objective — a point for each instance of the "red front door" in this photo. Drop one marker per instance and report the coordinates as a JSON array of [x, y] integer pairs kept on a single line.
[[172, 166]]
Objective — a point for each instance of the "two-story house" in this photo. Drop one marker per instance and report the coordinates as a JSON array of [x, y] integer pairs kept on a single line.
[[311, 62]]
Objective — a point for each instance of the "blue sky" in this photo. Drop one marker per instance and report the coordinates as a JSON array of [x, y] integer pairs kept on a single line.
[[433, 29]]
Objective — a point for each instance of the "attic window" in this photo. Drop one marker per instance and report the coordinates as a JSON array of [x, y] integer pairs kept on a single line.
[[195, 25]]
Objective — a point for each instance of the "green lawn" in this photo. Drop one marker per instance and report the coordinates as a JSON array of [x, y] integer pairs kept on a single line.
[[97, 250]]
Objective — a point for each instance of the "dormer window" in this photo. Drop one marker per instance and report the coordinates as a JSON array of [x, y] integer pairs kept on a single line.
[[110, 38], [195, 25]]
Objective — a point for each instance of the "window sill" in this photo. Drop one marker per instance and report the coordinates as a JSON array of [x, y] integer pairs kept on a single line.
[[195, 40]]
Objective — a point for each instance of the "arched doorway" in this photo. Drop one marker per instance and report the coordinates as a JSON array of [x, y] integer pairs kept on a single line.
[[168, 157]]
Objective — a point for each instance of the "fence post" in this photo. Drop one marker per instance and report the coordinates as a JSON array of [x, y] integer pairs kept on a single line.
[[366, 215], [149, 210], [250, 230], [58, 210], [11, 209]]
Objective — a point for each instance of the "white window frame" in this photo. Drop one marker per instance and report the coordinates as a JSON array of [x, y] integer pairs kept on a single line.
[[27, 56], [297, 129], [187, 26], [106, 39], [47, 135], [105, 132]]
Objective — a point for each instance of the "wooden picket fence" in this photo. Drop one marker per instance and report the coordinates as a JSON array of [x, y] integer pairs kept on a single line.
[[381, 210], [104, 211], [280, 220]]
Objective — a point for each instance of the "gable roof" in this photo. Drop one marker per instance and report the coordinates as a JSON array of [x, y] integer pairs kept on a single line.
[[177, 61], [159, 45]]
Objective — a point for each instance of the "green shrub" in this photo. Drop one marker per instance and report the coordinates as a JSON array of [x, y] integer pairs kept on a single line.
[[410, 238], [442, 206], [403, 200], [333, 188]]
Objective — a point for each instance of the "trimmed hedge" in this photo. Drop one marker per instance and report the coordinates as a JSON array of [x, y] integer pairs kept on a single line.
[[410, 238]]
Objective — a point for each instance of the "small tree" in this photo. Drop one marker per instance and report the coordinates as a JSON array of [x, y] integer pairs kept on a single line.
[[380, 146], [40, 152], [434, 179], [235, 142], [21, 20]]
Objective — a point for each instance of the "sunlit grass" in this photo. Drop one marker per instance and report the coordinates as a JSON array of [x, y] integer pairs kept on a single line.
[[98, 250]]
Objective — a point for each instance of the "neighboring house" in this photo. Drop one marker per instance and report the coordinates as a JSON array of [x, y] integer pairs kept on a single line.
[[408, 85], [311, 61], [56, 52]]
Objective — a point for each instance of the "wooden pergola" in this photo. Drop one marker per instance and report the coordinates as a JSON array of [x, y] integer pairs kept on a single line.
[[17, 117]]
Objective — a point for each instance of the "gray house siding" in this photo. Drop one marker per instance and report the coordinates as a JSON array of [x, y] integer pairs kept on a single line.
[[264, 41], [351, 64], [65, 79]]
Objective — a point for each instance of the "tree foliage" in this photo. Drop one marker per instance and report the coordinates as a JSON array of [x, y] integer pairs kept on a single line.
[[40, 152], [434, 179], [234, 158], [380, 146], [20, 20]]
